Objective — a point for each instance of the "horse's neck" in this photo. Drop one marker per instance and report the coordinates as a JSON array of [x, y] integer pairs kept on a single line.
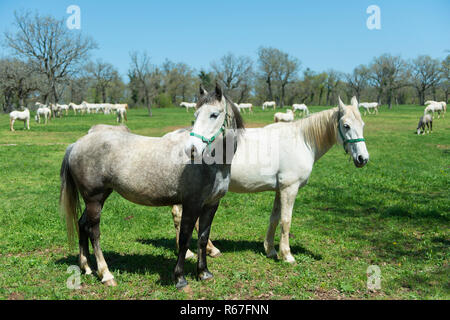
[[320, 132]]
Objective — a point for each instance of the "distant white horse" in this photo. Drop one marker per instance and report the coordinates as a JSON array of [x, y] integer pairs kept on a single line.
[[301, 107], [369, 105], [268, 104], [43, 112], [63, 107], [243, 106], [425, 120], [284, 117], [121, 114], [20, 115], [77, 108], [188, 105], [443, 104], [434, 107]]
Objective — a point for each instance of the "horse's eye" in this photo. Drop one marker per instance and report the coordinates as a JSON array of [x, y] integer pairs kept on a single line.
[[346, 126], [214, 115]]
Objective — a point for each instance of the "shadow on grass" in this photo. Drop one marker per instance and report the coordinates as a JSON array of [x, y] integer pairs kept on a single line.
[[225, 245], [139, 264]]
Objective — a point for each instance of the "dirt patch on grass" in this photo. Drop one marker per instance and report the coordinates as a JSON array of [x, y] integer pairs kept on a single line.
[[15, 296]]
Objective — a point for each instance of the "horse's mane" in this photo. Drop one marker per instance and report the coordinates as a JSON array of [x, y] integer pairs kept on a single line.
[[211, 98], [317, 130]]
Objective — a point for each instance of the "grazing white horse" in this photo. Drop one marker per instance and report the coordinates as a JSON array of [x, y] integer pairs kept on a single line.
[[121, 114], [268, 104], [280, 157], [369, 105], [434, 107], [425, 120], [20, 115], [43, 112], [243, 106], [187, 105], [284, 117], [301, 107]]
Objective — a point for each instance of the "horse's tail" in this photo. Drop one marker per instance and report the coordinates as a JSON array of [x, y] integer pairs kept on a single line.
[[69, 201]]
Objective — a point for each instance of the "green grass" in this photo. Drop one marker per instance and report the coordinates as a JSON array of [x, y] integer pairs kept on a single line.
[[393, 213]]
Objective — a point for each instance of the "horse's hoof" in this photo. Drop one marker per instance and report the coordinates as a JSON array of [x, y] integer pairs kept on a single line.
[[215, 253], [205, 275], [289, 259], [110, 283], [181, 284], [272, 254], [190, 254]]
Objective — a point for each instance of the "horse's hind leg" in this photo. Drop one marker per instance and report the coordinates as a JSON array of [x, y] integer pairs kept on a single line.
[[92, 227], [269, 246], [205, 221], [84, 244]]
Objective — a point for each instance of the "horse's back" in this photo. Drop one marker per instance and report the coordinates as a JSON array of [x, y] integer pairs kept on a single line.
[[137, 167]]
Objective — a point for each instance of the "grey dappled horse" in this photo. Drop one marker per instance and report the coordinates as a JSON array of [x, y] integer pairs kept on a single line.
[[153, 172]]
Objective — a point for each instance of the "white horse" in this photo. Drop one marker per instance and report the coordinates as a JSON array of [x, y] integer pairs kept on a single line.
[[368, 106], [280, 157], [434, 107], [56, 110], [121, 114], [284, 117], [438, 106], [63, 107], [77, 108], [301, 107], [243, 106], [43, 112], [268, 104], [20, 115], [188, 105]]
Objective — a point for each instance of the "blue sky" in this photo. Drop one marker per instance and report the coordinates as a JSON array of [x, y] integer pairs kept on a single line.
[[322, 34]]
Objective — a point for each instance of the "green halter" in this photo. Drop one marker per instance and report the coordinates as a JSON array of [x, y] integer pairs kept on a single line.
[[346, 141], [209, 141]]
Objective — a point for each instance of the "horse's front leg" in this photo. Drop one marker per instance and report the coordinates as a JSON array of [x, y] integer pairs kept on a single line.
[[287, 198], [11, 124], [205, 221], [177, 211], [188, 219]]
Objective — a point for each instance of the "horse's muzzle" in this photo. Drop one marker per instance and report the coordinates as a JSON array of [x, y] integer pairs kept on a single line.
[[360, 161]]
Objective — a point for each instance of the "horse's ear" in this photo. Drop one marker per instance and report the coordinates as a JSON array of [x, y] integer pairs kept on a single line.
[[354, 102], [341, 105], [203, 91], [219, 93]]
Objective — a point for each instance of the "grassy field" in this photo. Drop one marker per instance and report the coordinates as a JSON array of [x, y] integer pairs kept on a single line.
[[393, 213]]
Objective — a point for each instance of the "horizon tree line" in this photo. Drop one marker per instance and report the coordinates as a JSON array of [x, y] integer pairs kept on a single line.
[[50, 64]]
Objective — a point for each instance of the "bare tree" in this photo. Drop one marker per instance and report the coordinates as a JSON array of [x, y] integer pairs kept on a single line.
[[141, 71], [103, 74], [331, 84], [445, 74], [17, 80], [54, 50], [235, 74], [425, 74], [387, 74], [357, 80], [278, 69], [267, 65]]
